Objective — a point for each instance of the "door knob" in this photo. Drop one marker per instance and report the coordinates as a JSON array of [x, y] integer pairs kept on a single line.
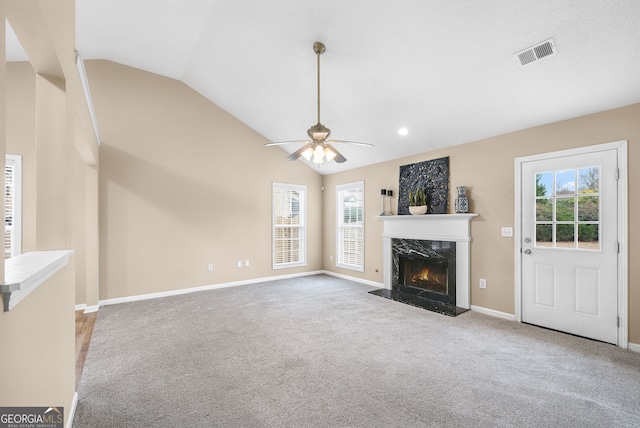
[[527, 251]]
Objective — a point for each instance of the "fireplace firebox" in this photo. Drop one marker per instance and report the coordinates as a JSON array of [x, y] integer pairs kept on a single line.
[[426, 269], [424, 274]]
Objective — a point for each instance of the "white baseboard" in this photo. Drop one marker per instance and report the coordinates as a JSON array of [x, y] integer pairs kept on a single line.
[[72, 410], [149, 296], [354, 279], [493, 313], [91, 309], [634, 347], [87, 309]]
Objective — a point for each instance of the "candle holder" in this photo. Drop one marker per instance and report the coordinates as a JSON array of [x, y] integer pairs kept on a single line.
[[389, 194], [383, 193]]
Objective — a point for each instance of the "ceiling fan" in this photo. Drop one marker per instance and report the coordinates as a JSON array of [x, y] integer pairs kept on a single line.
[[317, 149]]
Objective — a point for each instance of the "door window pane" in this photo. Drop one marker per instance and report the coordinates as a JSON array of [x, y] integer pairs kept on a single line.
[[565, 209], [544, 184], [544, 209], [588, 236], [589, 180], [588, 208], [565, 182], [544, 235], [565, 236]]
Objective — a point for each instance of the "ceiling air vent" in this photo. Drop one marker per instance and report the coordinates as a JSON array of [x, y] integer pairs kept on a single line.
[[537, 52]]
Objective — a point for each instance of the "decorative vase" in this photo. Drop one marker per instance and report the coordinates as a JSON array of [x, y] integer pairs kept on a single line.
[[462, 203], [418, 210]]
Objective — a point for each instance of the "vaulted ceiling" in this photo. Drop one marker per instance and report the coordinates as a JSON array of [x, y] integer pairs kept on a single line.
[[445, 70]]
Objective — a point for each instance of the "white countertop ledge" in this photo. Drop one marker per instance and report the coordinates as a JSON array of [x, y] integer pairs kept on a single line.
[[25, 272]]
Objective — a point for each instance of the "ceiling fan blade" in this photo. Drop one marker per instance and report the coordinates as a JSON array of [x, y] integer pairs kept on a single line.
[[279, 143], [351, 142], [338, 158], [295, 155]]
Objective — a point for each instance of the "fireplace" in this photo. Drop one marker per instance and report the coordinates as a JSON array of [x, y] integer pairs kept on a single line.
[[426, 261], [424, 274], [424, 269]]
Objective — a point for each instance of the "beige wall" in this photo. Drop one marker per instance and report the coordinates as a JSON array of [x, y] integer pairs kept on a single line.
[[39, 332], [184, 184], [38, 346], [46, 124], [487, 168], [21, 140]]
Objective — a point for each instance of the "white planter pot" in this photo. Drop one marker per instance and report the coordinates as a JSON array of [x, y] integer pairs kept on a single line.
[[419, 210]]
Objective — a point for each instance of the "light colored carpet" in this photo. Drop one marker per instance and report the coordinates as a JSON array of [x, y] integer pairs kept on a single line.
[[321, 352]]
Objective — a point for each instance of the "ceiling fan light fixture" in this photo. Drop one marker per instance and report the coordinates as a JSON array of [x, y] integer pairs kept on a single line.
[[318, 154], [318, 132], [329, 154], [307, 153]]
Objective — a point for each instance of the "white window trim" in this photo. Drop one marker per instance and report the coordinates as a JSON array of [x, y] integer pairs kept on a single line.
[[16, 235], [302, 190], [339, 219]]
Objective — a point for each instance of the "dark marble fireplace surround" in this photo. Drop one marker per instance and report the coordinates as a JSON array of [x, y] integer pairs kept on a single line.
[[416, 252], [436, 252]]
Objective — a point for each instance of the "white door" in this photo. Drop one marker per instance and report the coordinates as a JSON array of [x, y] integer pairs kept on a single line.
[[569, 244]]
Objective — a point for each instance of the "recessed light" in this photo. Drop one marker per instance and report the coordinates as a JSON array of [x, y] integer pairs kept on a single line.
[[403, 131]]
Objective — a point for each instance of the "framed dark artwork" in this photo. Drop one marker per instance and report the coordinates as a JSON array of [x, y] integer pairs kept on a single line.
[[433, 176]]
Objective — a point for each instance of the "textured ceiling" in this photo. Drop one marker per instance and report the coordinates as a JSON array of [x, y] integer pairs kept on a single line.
[[443, 69]]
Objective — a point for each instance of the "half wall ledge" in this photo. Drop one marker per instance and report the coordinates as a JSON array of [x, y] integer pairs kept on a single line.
[[25, 272]]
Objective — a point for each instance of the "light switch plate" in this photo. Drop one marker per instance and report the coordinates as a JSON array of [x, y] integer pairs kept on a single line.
[[507, 231]]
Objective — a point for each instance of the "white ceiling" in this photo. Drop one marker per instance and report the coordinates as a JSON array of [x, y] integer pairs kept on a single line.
[[445, 69]]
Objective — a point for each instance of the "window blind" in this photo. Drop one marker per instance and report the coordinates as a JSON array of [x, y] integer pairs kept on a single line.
[[12, 206], [350, 226], [288, 225]]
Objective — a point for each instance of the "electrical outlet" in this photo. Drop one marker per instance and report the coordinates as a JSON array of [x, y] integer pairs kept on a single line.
[[210, 267], [246, 263], [483, 283], [507, 231], [331, 258], [239, 264]]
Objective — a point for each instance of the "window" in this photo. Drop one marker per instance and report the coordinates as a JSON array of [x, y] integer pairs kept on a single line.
[[350, 222], [568, 209], [12, 206], [289, 230]]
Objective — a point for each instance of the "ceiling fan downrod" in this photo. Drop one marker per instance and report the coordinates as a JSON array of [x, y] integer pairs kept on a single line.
[[318, 132], [319, 49]]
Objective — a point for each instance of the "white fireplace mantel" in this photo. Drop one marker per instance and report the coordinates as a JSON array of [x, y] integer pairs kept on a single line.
[[434, 227]]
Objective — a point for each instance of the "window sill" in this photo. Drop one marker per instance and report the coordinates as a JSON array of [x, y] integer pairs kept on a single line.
[[25, 272]]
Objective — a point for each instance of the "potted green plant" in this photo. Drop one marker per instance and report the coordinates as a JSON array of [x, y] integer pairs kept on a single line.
[[418, 201]]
